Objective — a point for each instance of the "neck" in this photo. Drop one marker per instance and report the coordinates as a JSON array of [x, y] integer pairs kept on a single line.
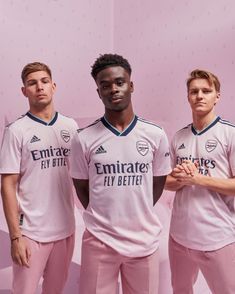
[[46, 114], [200, 122], [120, 120]]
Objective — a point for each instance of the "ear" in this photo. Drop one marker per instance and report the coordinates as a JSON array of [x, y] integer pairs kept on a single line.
[[53, 87], [98, 92], [132, 87], [217, 97], [188, 97], [24, 91]]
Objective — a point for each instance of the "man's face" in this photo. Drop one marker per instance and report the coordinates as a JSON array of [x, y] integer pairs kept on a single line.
[[114, 88], [202, 96], [39, 89]]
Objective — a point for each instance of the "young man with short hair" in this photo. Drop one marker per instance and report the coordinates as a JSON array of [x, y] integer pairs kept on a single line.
[[202, 232], [37, 189], [119, 165]]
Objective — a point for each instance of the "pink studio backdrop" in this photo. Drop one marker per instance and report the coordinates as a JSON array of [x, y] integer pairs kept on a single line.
[[163, 40]]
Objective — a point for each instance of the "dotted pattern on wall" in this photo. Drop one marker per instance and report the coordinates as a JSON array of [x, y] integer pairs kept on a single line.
[[67, 35], [164, 41]]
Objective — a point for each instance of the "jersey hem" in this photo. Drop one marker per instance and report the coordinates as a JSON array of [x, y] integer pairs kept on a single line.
[[46, 240], [123, 252], [205, 248]]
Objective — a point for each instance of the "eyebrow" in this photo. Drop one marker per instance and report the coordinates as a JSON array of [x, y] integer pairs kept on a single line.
[[30, 80], [203, 88], [116, 79]]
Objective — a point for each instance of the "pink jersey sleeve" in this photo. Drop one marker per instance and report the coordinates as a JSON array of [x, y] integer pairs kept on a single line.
[[78, 162], [161, 161], [10, 156], [231, 153]]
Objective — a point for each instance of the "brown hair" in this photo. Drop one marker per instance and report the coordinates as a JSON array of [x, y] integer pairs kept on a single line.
[[33, 67], [203, 74]]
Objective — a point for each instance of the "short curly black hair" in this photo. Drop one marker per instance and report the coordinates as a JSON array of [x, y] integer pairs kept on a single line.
[[108, 60]]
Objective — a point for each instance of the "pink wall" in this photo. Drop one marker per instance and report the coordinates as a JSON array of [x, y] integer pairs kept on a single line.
[[68, 35], [163, 41]]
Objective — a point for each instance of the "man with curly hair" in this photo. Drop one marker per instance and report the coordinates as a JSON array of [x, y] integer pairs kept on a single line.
[[119, 165]]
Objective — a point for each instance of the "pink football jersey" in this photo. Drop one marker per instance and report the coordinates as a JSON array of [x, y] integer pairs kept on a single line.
[[203, 219], [120, 167], [38, 152]]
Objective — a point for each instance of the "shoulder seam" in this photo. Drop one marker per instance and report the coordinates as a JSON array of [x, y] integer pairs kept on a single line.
[[86, 127], [11, 123], [225, 122], [149, 122], [184, 128]]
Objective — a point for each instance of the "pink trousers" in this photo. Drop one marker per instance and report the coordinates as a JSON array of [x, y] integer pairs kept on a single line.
[[101, 265], [217, 267], [48, 260]]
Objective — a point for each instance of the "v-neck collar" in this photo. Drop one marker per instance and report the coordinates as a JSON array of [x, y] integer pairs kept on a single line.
[[198, 133], [39, 120], [125, 132]]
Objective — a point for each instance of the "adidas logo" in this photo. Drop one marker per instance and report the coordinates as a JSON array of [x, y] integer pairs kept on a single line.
[[181, 146], [34, 139], [100, 150]]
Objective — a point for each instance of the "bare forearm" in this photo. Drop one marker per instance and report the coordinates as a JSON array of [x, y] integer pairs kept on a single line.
[[10, 205], [158, 186], [172, 184], [84, 199], [222, 186], [82, 190]]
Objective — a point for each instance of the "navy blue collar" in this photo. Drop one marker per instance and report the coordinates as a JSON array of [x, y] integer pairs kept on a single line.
[[195, 132], [37, 119], [125, 132]]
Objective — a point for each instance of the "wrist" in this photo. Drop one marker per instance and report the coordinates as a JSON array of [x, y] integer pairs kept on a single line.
[[15, 238]]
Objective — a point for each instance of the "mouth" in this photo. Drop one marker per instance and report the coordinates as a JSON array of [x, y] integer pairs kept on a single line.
[[41, 95], [200, 104], [115, 99]]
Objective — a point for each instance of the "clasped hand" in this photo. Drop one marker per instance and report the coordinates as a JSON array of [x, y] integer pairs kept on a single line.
[[186, 172]]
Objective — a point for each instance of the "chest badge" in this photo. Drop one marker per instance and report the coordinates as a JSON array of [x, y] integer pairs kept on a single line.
[[65, 135], [210, 145], [142, 147]]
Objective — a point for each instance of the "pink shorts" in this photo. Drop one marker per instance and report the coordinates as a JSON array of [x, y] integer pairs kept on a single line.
[[101, 265], [217, 267], [48, 260]]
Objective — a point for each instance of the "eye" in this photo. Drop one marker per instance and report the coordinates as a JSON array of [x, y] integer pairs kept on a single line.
[[45, 81], [207, 91], [104, 87], [31, 83], [193, 92], [120, 83]]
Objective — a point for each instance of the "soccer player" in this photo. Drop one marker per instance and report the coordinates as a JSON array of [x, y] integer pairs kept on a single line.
[[37, 188], [202, 232], [119, 165]]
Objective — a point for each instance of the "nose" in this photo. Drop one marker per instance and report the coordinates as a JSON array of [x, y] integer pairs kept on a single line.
[[114, 88], [39, 86], [199, 94]]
